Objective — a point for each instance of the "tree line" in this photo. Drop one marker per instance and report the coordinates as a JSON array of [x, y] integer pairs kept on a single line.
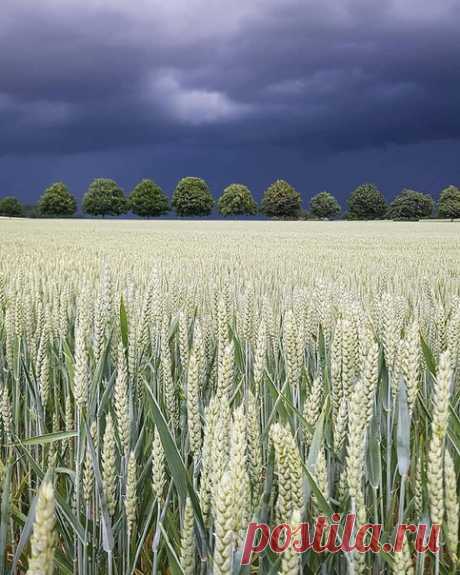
[[192, 197]]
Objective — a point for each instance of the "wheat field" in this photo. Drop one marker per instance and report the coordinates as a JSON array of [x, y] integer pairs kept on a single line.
[[164, 383]]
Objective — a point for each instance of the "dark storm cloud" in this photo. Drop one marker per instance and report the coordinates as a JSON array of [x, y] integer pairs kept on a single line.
[[311, 77], [345, 74]]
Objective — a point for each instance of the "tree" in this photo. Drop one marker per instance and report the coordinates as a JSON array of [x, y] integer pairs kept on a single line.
[[192, 198], [57, 201], [10, 207], [366, 202], [449, 203], [281, 201], [410, 205], [237, 200], [103, 198], [324, 205], [148, 200]]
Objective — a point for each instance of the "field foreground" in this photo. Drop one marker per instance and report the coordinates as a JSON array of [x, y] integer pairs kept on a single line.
[[164, 383]]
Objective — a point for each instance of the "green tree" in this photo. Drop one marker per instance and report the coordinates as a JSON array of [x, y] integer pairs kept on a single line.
[[57, 201], [366, 202], [410, 205], [192, 198], [237, 200], [449, 203], [148, 200], [324, 205], [10, 207], [103, 198], [281, 200]]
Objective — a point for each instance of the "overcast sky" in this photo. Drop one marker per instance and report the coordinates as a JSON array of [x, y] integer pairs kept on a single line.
[[325, 94]]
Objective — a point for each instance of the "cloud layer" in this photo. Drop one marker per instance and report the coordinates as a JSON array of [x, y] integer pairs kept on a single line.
[[314, 77]]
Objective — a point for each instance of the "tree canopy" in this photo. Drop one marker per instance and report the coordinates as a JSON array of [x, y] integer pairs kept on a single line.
[[192, 198], [237, 200], [281, 200], [324, 205], [449, 203], [148, 200], [10, 207], [57, 201], [103, 198], [410, 205], [366, 202]]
